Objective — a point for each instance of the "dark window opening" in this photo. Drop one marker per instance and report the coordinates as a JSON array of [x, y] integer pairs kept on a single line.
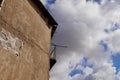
[[52, 63], [53, 57]]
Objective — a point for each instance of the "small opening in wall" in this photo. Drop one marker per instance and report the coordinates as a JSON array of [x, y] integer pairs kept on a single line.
[[17, 55]]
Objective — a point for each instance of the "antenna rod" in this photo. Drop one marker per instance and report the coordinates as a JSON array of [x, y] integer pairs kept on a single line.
[[58, 45]]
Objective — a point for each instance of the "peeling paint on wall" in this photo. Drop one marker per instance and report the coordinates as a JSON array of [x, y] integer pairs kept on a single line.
[[10, 43]]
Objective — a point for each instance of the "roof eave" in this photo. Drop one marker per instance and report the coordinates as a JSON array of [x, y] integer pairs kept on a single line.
[[51, 20]]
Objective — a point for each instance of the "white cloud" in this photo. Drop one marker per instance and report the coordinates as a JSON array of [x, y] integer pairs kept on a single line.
[[88, 71], [81, 28]]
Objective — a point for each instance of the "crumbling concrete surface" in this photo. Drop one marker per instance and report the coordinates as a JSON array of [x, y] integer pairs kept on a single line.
[[9, 43]]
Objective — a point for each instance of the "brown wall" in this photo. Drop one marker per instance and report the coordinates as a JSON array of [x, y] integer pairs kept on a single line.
[[21, 21]]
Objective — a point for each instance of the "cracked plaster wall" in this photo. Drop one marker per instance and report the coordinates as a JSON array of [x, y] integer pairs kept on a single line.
[[10, 43]]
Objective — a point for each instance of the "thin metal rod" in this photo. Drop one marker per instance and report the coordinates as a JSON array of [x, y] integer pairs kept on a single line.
[[58, 45]]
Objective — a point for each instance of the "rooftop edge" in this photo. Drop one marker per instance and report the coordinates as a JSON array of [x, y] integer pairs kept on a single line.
[[40, 5]]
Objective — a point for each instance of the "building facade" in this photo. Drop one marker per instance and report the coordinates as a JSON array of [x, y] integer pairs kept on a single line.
[[26, 28]]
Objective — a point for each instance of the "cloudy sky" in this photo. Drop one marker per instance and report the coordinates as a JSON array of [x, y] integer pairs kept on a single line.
[[91, 30]]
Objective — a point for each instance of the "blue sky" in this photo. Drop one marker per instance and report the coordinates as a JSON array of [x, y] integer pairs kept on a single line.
[[76, 71], [84, 63], [116, 62], [51, 1], [115, 57], [97, 1], [91, 30], [104, 45]]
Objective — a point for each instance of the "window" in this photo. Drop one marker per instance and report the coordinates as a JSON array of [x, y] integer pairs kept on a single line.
[[1, 2]]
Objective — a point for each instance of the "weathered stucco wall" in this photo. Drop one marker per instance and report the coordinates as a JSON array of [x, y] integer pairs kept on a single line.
[[24, 42]]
